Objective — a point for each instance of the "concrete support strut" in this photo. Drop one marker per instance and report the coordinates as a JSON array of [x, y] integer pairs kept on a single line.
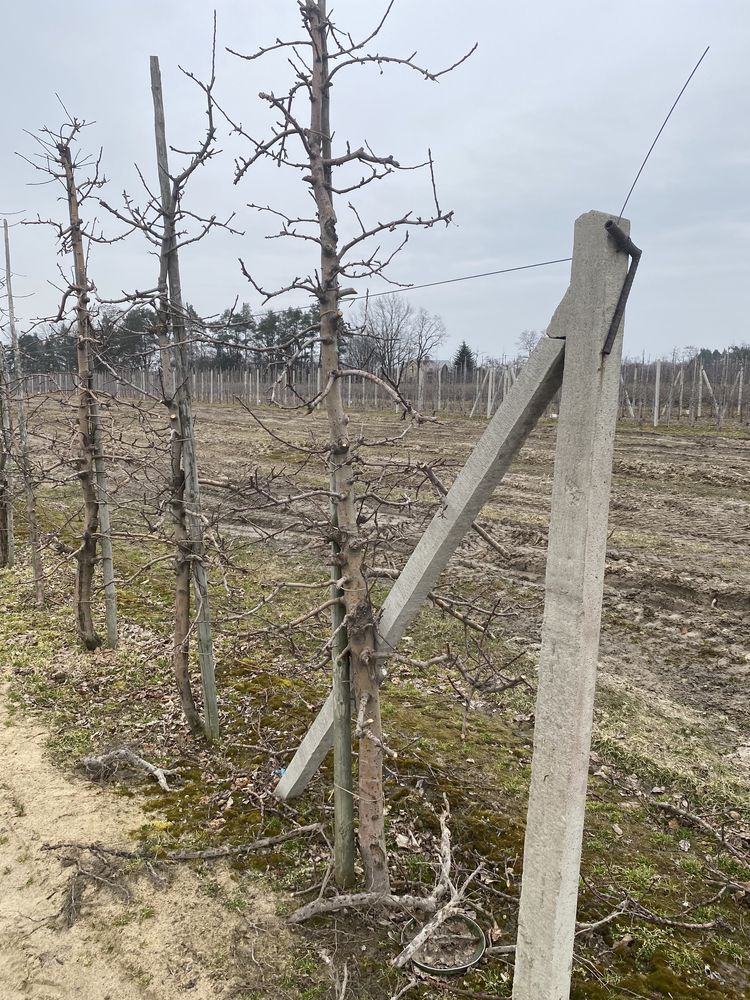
[[572, 618], [514, 420]]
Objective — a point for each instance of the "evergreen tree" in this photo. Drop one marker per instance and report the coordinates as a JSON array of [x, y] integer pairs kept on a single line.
[[465, 359]]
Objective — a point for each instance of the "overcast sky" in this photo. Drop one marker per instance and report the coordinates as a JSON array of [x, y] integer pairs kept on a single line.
[[551, 117]]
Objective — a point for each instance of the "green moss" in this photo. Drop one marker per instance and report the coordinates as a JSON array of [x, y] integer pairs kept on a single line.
[[268, 697]]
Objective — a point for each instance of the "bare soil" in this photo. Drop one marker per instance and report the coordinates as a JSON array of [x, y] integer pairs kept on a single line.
[[167, 939], [675, 639], [672, 720]]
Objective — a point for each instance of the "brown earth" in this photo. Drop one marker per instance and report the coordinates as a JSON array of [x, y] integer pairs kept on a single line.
[[169, 939], [676, 627]]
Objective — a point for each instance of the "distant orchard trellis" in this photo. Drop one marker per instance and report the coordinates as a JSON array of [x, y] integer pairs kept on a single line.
[[658, 392]]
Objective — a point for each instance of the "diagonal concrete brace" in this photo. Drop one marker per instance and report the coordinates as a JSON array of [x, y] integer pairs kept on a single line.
[[514, 420]]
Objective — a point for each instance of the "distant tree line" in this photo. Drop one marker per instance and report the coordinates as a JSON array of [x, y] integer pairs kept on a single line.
[[389, 337], [129, 339]]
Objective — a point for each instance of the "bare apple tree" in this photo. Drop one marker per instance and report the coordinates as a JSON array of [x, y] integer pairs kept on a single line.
[[80, 178], [168, 227], [302, 140]]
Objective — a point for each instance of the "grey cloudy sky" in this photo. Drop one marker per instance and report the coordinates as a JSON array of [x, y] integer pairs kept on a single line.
[[551, 117]]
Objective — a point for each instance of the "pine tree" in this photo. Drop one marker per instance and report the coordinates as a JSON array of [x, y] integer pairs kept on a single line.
[[465, 359]]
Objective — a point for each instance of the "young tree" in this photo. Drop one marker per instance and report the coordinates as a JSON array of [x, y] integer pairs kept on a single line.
[[321, 58], [58, 161], [186, 502], [527, 340], [175, 327]]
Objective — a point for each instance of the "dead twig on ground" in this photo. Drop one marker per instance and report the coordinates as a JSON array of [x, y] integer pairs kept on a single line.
[[450, 909], [108, 764], [692, 819]]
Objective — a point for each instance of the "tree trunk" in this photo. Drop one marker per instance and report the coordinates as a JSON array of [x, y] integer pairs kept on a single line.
[[86, 555], [360, 623], [186, 492]]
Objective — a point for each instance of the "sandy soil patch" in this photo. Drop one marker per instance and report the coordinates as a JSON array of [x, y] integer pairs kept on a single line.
[[170, 940]]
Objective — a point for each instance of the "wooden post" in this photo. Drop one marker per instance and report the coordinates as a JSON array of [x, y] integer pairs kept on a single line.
[[479, 391], [185, 419], [343, 789], [631, 412], [572, 619], [24, 464], [711, 394]]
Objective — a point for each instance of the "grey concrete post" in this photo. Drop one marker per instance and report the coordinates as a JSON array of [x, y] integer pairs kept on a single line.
[[572, 618], [657, 387], [739, 393]]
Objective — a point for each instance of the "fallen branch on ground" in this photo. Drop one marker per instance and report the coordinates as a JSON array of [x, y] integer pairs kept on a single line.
[[107, 765], [450, 909], [693, 819], [257, 845]]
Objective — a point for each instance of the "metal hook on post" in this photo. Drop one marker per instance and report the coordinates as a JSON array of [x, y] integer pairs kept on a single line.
[[625, 243]]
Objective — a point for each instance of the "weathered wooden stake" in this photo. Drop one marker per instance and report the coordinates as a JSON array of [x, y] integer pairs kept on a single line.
[[739, 393], [105, 526], [572, 618]]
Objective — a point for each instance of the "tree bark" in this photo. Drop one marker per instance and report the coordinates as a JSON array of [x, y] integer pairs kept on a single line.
[[186, 503], [360, 624], [86, 555]]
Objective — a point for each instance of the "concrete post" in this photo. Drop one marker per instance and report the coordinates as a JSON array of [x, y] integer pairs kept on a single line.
[[739, 393], [572, 618], [657, 387]]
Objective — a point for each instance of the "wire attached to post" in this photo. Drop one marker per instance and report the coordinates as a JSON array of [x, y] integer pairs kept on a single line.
[[622, 242]]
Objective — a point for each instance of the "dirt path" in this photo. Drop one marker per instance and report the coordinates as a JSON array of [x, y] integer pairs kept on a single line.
[[170, 940]]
